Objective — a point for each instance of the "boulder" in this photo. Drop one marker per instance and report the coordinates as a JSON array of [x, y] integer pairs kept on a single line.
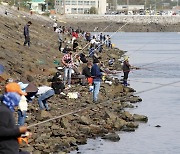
[[43, 115], [127, 116], [85, 129], [65, 123], [135, 99], [110, 115], [95, 129], [132, 125], [141, 118], [112, 137], [84, 120], [119, 123]]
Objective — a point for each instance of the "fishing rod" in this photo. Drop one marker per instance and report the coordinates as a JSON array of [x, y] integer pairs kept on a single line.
[[99, 32], [120, 27], [106, 102]]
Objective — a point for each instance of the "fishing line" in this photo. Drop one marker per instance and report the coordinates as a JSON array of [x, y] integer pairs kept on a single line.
[[150, 82], [120, 27], [108, 101], [98, 34]]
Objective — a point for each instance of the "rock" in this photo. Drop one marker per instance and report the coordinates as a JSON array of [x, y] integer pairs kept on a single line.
[[58, 133], [119, 123], [132, 125], [157, 126], [37, 152], [29, 149], [55, 127], [84, 120], [43, 115], [95, 129], [128, 129], [85, 129], [141, 118], [135, 99], [81, 141], [69, 140], [112, 137], [65, 123], [127, 116], [110, 115]]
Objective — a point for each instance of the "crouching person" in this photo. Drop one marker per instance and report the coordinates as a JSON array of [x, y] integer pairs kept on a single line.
[[44, 93]]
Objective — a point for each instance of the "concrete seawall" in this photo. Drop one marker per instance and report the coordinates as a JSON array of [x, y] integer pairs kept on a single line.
[[130, 19]]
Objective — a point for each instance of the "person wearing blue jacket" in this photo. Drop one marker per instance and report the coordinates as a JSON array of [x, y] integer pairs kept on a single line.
[[96, 75]]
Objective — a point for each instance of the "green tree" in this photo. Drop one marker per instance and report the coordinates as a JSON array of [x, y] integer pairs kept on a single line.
[[93, 10]]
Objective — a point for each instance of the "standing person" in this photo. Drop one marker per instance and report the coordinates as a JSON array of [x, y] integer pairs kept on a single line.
[[55, 25], [67, 61], [96, 75], [26, 33], [60, 39], [126, 69]]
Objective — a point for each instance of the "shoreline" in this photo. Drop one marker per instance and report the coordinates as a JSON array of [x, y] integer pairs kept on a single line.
[[37, 64]]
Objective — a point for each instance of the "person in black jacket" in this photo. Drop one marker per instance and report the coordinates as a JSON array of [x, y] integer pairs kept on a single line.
[[26, 33], [57, 83], [9, 132]]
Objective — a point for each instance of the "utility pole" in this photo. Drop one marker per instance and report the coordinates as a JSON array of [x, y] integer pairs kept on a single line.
[[155, 7]]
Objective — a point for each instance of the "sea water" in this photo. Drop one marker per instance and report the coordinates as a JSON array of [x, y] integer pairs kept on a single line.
[[158, 56]]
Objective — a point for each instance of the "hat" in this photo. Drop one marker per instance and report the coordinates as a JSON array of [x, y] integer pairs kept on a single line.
[[1, 69], [96, 60], [126, 58], [29, 22], [14, 87]]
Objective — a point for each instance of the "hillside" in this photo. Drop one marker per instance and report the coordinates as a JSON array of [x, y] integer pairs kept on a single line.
[[20, 60]]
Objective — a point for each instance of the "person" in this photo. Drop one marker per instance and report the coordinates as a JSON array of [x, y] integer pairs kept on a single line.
[[9, 131], [83, 58], [22, 109], [26, 33], [44, 93], [55, 25], [126, 69], [96, 75], [67, 61], [57, 83], [75, 45], [87, 72], [60, 39]]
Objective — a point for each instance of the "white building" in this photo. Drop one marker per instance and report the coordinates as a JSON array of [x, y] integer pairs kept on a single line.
[[38, 6], [80, 6], [129, 7]]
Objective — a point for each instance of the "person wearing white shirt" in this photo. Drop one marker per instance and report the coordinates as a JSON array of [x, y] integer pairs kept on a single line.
[[23, 106], [44, 93]]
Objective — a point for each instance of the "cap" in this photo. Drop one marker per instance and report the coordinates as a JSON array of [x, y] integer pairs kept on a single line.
[[14, 87], [126, 58]]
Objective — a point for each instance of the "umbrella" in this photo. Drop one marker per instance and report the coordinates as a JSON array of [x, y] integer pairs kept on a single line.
[[31, 88], [1, 69]]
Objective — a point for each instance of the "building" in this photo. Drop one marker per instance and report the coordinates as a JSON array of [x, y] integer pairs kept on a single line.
[[38, 6], [80, 6], [129, 7]]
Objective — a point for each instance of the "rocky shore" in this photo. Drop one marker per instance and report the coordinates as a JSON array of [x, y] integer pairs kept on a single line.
[[80, 118]]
